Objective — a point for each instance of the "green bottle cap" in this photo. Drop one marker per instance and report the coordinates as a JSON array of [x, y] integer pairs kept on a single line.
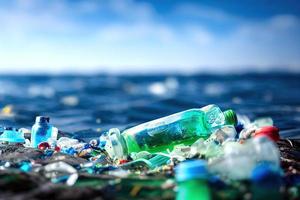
[[230, 117]]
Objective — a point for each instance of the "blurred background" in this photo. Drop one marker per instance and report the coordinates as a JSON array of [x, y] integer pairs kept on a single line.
[[101, 64]]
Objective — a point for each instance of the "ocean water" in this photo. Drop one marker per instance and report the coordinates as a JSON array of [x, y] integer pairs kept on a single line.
[[100, 102]]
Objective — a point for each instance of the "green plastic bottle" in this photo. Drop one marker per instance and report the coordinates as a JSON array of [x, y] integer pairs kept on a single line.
[[192, 179], [164, 133]]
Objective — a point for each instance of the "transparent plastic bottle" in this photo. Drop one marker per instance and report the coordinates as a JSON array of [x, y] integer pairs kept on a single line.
[[239, 160], [180, 128], [41, 131]]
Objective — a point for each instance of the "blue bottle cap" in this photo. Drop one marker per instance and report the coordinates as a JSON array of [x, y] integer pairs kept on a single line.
[[266, 175], [42, 119], [196, 169]]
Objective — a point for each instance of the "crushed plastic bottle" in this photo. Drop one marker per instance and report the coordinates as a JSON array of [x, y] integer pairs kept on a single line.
[[244, 157], [12, 135], [192, 178], [164, 133], [41, 131]]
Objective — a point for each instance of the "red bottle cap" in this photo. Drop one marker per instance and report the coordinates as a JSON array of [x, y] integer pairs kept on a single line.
[[271, 132], [57, 149], [44, 145]]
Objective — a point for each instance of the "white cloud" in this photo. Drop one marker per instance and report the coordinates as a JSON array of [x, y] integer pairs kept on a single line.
[[52, 39]]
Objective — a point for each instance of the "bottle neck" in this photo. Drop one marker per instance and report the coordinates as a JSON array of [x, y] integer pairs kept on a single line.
[[44, 124], [230, 117]]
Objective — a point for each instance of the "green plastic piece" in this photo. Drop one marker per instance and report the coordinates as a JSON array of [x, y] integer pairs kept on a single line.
[[194, 189], [156, 161]]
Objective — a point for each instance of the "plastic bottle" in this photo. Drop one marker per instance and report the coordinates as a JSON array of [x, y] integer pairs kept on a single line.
[[192, 178], [180, 128], [239, 160], [41, 131]]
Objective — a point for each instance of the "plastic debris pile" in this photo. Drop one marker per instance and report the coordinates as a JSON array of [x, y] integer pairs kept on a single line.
[[195, 154]]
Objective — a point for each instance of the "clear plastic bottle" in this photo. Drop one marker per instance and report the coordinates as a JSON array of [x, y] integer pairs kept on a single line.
[[180, 128], [41, 131], [239, 160]]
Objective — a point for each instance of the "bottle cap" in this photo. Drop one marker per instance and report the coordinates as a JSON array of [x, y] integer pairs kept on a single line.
[[42, 119], [266, 175], [196, 169], [230, 117], [271, 132]]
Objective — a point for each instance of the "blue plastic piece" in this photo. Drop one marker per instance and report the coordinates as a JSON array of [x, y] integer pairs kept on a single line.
[[41, 131], [239, 127], [266, 175], [70, 151], [12, 135], [192, 170], [26, 167]]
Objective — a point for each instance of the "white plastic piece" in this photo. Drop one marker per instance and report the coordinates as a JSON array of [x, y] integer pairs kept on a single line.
[[64, 168], [65, 142], [114, 145], [239, 160]]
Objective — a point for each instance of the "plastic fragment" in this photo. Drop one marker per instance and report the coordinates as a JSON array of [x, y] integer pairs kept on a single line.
[[12, 135], [63, 168], [157, 160]]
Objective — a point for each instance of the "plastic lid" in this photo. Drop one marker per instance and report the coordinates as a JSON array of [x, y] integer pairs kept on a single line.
[[196, 169], [271, 132], [42, 119], [267, 175], [230, 117]]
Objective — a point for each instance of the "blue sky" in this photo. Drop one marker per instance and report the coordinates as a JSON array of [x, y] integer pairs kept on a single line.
[[127, 36]]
